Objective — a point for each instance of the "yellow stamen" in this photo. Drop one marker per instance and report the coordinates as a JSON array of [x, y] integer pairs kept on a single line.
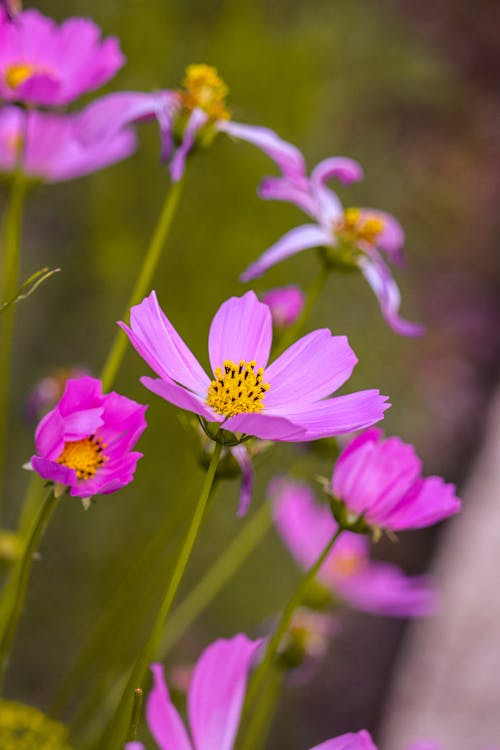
[[360, 226], [84, 456], [206, 90], [237, 389], [18, 73]]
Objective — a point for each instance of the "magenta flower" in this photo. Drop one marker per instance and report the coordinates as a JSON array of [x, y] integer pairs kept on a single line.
[[381, 481], [48, 65], [85, 443], [285, 303], [12, 8], [214, 704], [369, 585], [284, 401], [52, 149], [197, 112], [352, 237]]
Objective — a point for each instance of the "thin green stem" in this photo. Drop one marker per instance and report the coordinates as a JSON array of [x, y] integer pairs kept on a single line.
[[20, 581], [216, 577], [115, 735], [136, 715], [8, 289], [260, 673], [151, 258], [257, 730], [312, 295]]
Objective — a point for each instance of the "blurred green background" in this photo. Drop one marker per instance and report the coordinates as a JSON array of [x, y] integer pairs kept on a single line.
[[386, 83]]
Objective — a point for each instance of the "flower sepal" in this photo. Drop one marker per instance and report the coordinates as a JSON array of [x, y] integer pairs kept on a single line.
[[228, 439], [318, 597], [343, 257]]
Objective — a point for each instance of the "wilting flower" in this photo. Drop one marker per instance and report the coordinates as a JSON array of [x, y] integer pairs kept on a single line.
[[50, 147], [380, 481], [11, 7], [49, 65], [49, 390], [351, 238], [369, 585], [285, 303], [186, 117], [283, 401], [85, 442], [215, 701]]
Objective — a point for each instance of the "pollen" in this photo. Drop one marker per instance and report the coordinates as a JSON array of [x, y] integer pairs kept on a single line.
[[359, 226], [237, 389], [84, 456], [205, 89], [18, 73]]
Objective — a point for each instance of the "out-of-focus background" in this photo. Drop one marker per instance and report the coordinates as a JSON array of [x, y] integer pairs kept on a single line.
[[408, 88]]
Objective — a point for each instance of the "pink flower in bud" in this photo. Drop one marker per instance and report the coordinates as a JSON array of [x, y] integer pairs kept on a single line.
[[85, 443], [285, 303], [48, 65]]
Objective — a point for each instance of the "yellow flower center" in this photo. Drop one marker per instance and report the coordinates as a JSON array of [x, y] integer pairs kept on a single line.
[[237, 389], [346, 564], [360, 227], [18, 73], [84, 456], [206, 90]]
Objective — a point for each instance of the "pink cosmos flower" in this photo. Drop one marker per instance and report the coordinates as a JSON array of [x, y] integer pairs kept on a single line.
[[381, 481], [214, 704], [352, 237], [12, 8], [283, 401], [197, 111], [52, 149], [285, 303], [48, 65], [85, 442], [369, 585]]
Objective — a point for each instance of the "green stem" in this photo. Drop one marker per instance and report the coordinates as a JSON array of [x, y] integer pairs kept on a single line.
[[216, 577], [136, 715], [115, 735], [312, 295], [260, 673], [153, 253], [8, 289], [257, 730], [20, 582]]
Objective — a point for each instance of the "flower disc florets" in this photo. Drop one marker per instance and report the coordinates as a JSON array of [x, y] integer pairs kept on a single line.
[[359, 226], [206, 90], [237, 389], [84, 456]]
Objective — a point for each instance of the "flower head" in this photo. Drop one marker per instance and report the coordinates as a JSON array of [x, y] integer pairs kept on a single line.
[[85, 443], [348, 571], [48, 65], [285, 303], [351, 238], [380, 480], [51, 148], [283, 401]]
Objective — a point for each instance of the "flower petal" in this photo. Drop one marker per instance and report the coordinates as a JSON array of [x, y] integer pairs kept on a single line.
[[312, 368], [241, 330], [352, 741], [287, 157], [164, 722], [217, 691], [428, 501], [159, 344], [180, 397], [244, 461], [337, 167], [282, 189], [197, 120], [267, 427], [380, 279], [300, 238], [53, 472]]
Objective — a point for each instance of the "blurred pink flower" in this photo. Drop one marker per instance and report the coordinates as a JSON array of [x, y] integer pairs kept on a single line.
[[285, 303], [85, 442], [49, 390], [369, 585], [284, 401], [380, 480], [51, 148], [196, 112], [215, 701], [352, 237], [12, 8], [49, 65]]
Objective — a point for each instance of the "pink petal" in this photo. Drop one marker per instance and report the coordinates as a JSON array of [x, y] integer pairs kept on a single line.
[[196, 121], [266, 427], [312, 368], [287, 157], [241, 330], [134, 746], [428, 501], [80, 393], [163, 720], [244, 461], [53, 472], [49, 433], [380, 279], [217, 691], [352, 741], [337, 167], [300, 238], [180, 397], [282, 189], [159, 344]]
